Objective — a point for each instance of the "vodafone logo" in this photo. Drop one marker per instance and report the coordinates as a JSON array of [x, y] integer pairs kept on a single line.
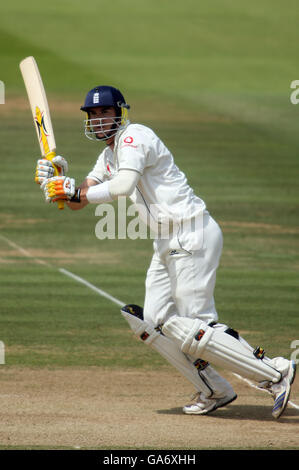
[[128, 142]]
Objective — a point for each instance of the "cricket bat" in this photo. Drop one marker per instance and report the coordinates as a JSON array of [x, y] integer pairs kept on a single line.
[[40, 111]]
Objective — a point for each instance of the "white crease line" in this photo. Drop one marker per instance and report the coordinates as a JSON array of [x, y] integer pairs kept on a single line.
[[91, 286], [251, 384], [109, 297], [25, 252], [63, 271]]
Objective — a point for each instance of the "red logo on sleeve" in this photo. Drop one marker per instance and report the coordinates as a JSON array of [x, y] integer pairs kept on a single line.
[[128, 142]]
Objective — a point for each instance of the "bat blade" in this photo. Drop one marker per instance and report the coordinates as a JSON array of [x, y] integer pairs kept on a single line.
[[40, 110]]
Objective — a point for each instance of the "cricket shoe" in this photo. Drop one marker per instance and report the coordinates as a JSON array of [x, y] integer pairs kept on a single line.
[[281, 391], [204, 405]]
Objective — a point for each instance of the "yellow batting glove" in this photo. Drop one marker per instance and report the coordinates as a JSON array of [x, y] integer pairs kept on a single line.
[[45, 169], [58, 188]]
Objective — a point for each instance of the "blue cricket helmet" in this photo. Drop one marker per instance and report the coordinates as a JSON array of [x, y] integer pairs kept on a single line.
[[104, 96], [100, 128]]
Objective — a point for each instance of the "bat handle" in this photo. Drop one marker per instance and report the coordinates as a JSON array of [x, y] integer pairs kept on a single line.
[[60, 205], [50, 156]]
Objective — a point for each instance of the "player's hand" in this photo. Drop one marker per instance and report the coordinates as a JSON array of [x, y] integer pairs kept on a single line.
[[45, 168], [58, 188]]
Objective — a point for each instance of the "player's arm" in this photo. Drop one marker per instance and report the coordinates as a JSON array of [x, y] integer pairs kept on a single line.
[[63, 188], [80, 195], [122, 185]]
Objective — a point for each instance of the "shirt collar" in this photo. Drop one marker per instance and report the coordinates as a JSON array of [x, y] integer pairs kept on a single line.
[[119, 133]]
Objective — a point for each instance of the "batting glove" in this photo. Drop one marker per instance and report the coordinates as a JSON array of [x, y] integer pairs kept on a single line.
[[58, 188], [45, 169]]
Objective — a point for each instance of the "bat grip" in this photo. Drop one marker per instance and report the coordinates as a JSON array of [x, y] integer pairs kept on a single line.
[[50, 156], [60, 205]]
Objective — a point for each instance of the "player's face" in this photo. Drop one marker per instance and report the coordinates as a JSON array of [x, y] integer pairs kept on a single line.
[[102, 120]]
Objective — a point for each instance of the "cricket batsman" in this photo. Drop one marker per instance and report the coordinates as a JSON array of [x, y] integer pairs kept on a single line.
[[179, 319]]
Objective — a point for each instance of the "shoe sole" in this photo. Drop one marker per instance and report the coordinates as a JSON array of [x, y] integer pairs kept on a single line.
[[216, 406], [281, 402]]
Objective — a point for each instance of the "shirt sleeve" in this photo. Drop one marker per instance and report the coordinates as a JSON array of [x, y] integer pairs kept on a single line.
[[124, 183], [135, 150], [98, 172]]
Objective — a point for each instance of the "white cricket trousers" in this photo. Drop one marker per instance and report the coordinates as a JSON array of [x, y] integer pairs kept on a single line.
[[181, 281]]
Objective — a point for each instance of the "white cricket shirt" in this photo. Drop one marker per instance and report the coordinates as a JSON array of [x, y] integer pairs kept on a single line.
[[162, 193]]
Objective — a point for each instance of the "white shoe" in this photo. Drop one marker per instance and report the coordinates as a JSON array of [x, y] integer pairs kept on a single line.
[[204, 405], [281, 391]]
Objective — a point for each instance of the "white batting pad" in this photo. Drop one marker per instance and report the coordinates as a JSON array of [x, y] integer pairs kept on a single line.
[[173, 354], [199, 340]]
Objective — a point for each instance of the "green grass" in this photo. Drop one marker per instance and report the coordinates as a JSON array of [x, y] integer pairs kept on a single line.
[[214, 82]]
